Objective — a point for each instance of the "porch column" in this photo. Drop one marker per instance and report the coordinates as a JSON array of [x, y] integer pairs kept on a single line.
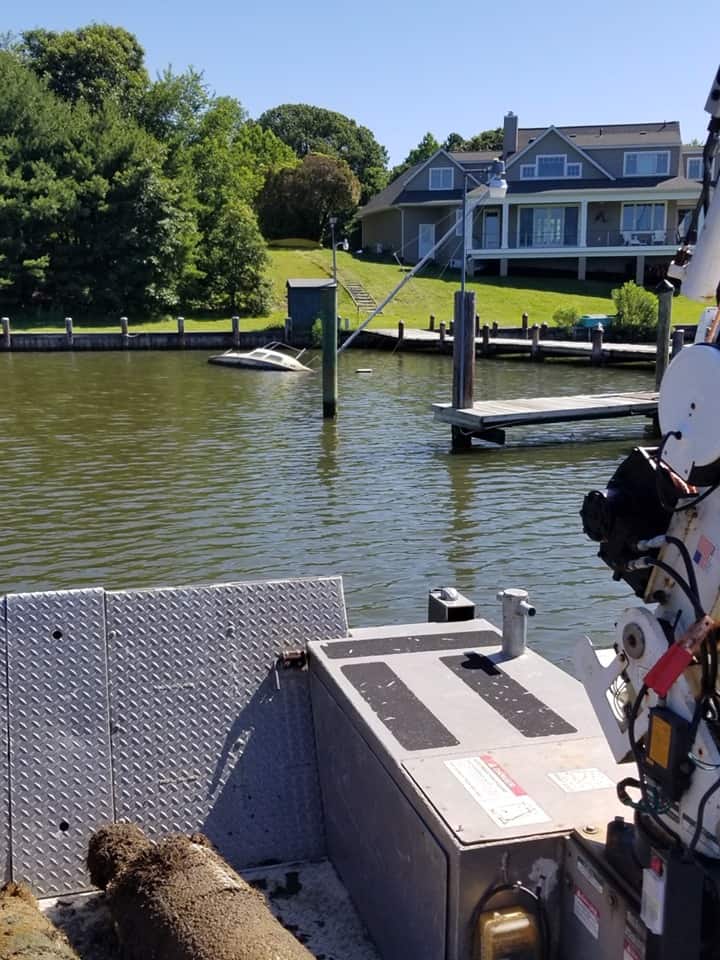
[[640, 271], [468, 225], [505, 225], [582, 226]]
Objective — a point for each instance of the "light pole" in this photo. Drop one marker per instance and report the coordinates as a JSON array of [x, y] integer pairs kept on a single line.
[[464, 313], [495, 189], [333, 221]]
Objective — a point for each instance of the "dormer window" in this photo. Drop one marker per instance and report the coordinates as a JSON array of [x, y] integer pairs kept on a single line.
[[550, 166], [694, 168], [441, 178], [650, 163]]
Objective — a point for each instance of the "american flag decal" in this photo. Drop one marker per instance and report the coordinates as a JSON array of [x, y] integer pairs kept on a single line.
[[704, 552]]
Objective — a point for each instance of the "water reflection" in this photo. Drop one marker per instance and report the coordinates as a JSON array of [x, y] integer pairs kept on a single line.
[[131, 469]]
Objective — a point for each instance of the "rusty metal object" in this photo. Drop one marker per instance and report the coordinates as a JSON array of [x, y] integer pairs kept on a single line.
[[179, 900], [25, 934]]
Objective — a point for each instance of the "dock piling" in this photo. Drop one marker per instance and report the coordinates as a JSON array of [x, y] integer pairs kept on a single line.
[[6, 336], [432, 323], [181, 330], [664, 291], [535, 347], [678, 342], [235, 331], [442, 331], [329, 361], [69, 331], [401, 332], [124, 332], [485, 340], [524, 322], [463, 363], [596, 339]]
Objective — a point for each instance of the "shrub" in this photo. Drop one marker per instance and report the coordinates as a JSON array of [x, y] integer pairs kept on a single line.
[[566, 316], [635, 306]]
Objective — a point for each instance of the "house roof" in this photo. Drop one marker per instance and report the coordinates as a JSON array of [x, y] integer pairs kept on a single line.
[[621, 183], [610, 135]]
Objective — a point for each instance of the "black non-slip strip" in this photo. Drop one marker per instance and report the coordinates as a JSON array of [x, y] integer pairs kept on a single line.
[[384, 646], [406, 717], [512, 701]]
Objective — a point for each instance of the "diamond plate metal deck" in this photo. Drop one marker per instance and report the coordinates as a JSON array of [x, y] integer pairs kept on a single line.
[[206, 735], [60, 771], [4, 752]]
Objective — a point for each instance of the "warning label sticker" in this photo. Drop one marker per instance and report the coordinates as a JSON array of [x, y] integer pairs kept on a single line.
[[587, 913], [577, 781], [504, 800]]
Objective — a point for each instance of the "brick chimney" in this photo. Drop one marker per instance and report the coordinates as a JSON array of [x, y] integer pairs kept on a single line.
[[510, 135]]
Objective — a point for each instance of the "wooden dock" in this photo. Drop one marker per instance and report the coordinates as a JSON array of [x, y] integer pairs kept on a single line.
[[431, 340], [488, 420]]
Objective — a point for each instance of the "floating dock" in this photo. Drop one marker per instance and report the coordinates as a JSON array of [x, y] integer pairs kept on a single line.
[[489, 419]]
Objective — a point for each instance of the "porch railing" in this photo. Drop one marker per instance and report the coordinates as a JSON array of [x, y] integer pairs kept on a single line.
[[605, 238]]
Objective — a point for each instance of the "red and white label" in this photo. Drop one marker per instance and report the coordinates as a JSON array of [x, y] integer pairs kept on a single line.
[[587, 913], [501, 797]]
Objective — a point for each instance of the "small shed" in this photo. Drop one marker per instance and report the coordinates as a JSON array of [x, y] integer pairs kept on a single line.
[[309, 300]]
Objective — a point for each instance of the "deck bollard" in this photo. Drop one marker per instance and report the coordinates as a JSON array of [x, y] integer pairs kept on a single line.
[[6, 336], [181, 330], [432, 323], [401, 331], [235, 331], [515, 613], [678, 342], [535, 353], [442, 331], [524, 322], [69, 331]]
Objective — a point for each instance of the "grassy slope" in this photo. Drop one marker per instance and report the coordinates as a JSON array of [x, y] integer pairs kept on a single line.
[[497, 299]]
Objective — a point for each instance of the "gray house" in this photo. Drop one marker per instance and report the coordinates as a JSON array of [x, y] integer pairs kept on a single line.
[[590, 200]]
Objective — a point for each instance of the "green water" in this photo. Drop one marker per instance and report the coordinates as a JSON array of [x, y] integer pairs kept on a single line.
[[141, 469]]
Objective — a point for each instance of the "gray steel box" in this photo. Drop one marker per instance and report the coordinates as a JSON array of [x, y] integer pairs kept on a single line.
[[445, 770]]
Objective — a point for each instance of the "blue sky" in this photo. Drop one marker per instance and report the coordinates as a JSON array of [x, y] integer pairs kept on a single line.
[[403, 68]]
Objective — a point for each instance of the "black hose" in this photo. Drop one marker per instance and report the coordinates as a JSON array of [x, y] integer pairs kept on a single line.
[[681, 582]]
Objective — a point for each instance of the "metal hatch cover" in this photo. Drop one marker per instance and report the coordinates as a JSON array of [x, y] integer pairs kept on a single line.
[[502, 794]]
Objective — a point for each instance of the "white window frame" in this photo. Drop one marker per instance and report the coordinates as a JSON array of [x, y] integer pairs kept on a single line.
[[441, 186], [630, 235], [698, 160], [529, 171], [646, 153]]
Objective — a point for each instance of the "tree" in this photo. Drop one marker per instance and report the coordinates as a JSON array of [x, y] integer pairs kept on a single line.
[[87, 218], [299, 202], [307, 129], [234, 259], [487, 140], [95, 64], [423, 151]]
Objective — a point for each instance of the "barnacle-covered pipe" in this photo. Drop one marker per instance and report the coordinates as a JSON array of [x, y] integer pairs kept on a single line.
[[179, 900], [25, 933]]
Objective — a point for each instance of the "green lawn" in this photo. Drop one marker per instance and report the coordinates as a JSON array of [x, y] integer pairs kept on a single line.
[[497, 299]]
